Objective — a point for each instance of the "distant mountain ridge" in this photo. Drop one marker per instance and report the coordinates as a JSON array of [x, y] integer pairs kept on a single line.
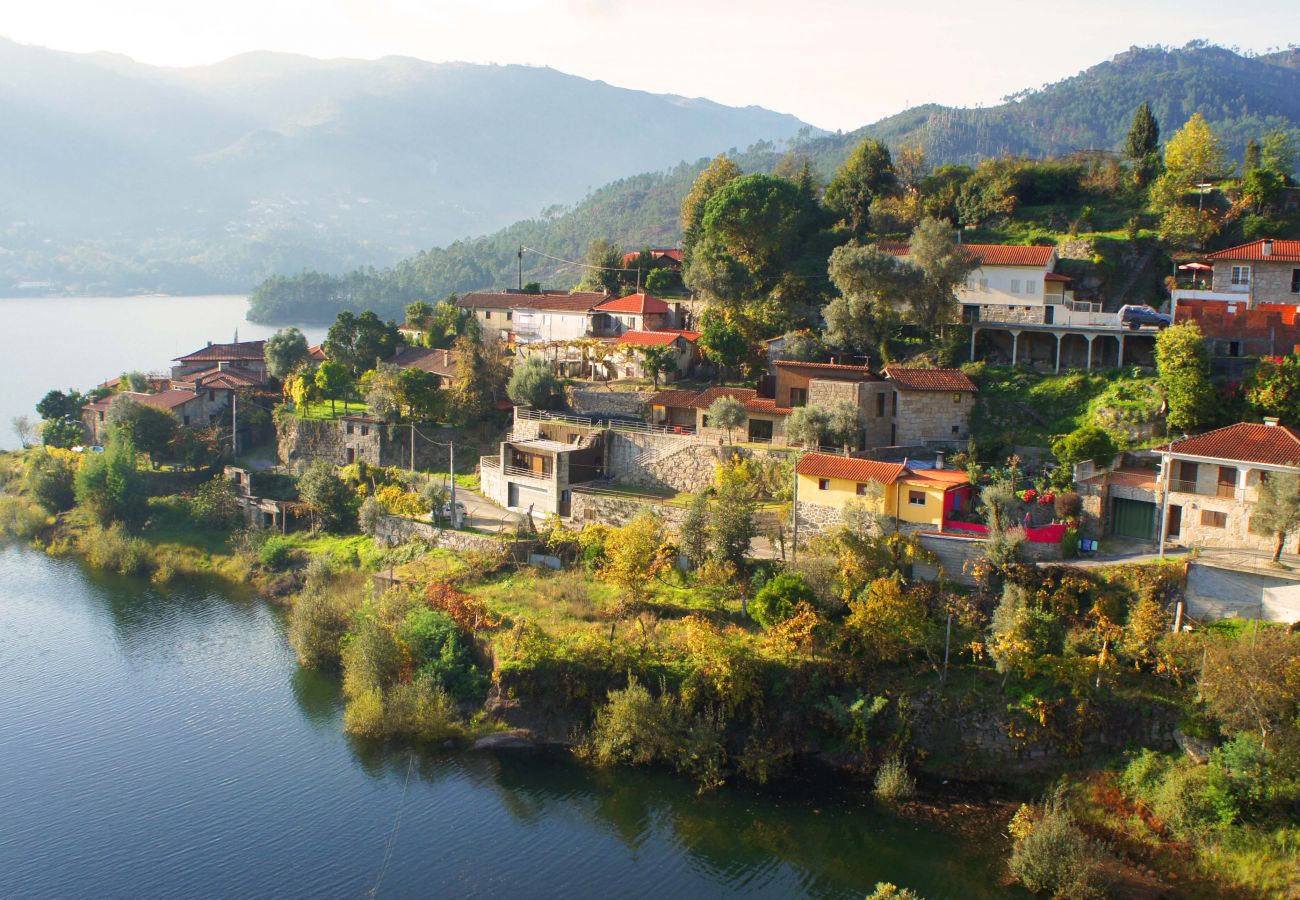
[[1241, 96], [131, 176]]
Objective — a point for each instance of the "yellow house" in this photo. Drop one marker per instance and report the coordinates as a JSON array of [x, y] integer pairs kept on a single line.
[[919, 497]]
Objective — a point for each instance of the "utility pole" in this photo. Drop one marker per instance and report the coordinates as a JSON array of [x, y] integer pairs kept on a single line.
[[521, 266], [412, 448], [451, 465], [234, 423], [794, 513]]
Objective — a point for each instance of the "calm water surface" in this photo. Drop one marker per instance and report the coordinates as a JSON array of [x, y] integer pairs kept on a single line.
[[165, 744], [83, 341]]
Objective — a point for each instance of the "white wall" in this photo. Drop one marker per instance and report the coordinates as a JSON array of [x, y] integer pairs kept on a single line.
[[1005, 284]]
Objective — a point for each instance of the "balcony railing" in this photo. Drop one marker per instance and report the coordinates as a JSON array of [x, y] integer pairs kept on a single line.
[[1224, 491], [489, 462], [517, 472]]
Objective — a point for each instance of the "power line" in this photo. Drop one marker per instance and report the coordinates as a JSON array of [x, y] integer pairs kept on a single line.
[[585, 265]]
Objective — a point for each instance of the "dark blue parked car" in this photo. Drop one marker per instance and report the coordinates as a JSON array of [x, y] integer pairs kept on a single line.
[[1136, 316]]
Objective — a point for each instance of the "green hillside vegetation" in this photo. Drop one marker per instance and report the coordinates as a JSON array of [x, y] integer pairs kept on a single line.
[[994, 157]]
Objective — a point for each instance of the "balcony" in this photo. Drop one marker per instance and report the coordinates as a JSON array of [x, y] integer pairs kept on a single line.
[[1224, 491], [531, 474]]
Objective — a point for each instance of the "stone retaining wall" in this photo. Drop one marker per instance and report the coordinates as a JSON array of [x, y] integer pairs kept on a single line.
[[616, 511], [610, 403], [307, 440], [391, 531]]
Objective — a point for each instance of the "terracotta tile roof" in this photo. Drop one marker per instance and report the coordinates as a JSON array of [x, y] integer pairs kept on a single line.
[[1282, 251], [216, 377], [1054, 276], [316, 353], [641, 304], [703, 399], [945, 478], [988, 254], [549, 301], [225, 352], [675, 399], [833, 371], [438, 362], [915, 379], [691, 336], [163, 400], [825, 465], [1245, 442], [672, 253], [648, 338]]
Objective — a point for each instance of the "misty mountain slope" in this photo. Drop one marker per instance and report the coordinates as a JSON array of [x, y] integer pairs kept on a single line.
[[204, 175]]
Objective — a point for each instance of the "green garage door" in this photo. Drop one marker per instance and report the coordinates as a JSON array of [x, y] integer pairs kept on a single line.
[[1133, 518]]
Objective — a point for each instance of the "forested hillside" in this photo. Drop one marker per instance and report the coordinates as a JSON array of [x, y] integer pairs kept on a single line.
[[1241, 97]]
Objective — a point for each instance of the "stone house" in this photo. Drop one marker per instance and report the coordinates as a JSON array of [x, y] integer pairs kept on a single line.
[[1263, 271], [909, 497], [627, 361], [441, 363], [929, 405], [900, 407], [192, 409], [635, 312], [514, 316], [1209, 483], [245, 356]]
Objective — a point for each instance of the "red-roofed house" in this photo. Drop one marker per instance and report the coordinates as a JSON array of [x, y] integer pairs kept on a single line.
[[246, 355], [670, 257], [192, 409], [903, 407], [914, 498], [1263, 271], [635, 312], [628, 362], [1211, 481]]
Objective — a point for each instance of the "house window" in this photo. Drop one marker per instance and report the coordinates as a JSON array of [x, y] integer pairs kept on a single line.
[[916, 498], [1188, 472], [1031, 288], [1015, 285], [956, 397], [798, 396], [880, 404], [895, 404], [864, 490], [956, 429], [365, 430], [185, 420], [212, 395], [1213, 519], [984, 285], [349, 428], [510, 314], [823, 484], [1241, 276], [487, 314], [1295, 281]]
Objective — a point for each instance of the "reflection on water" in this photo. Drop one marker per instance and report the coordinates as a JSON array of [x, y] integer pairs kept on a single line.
[[164, 743]]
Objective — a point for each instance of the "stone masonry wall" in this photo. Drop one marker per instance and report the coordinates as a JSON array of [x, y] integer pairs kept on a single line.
[[931, 416], [620, 403], [616, 511], [307, 440], [393, 530]]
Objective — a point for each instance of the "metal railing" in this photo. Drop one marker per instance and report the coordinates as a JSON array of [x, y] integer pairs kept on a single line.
[[489, 462], [668, 448], [1224, 491], [598, 422], [517, 472]]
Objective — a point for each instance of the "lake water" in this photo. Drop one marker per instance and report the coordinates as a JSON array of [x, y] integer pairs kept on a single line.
[[165, 744], [84, 341]]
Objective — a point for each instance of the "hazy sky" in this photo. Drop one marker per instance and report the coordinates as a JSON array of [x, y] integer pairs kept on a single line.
[[834, 63]]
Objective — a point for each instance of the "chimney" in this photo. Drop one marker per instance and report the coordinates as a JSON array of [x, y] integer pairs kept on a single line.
[[938, 460], [1270, 420], [209, 343], [1268, 247]]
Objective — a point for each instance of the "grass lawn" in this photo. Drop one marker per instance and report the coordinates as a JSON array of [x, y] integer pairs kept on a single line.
[[321, 409], [469, 482]]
